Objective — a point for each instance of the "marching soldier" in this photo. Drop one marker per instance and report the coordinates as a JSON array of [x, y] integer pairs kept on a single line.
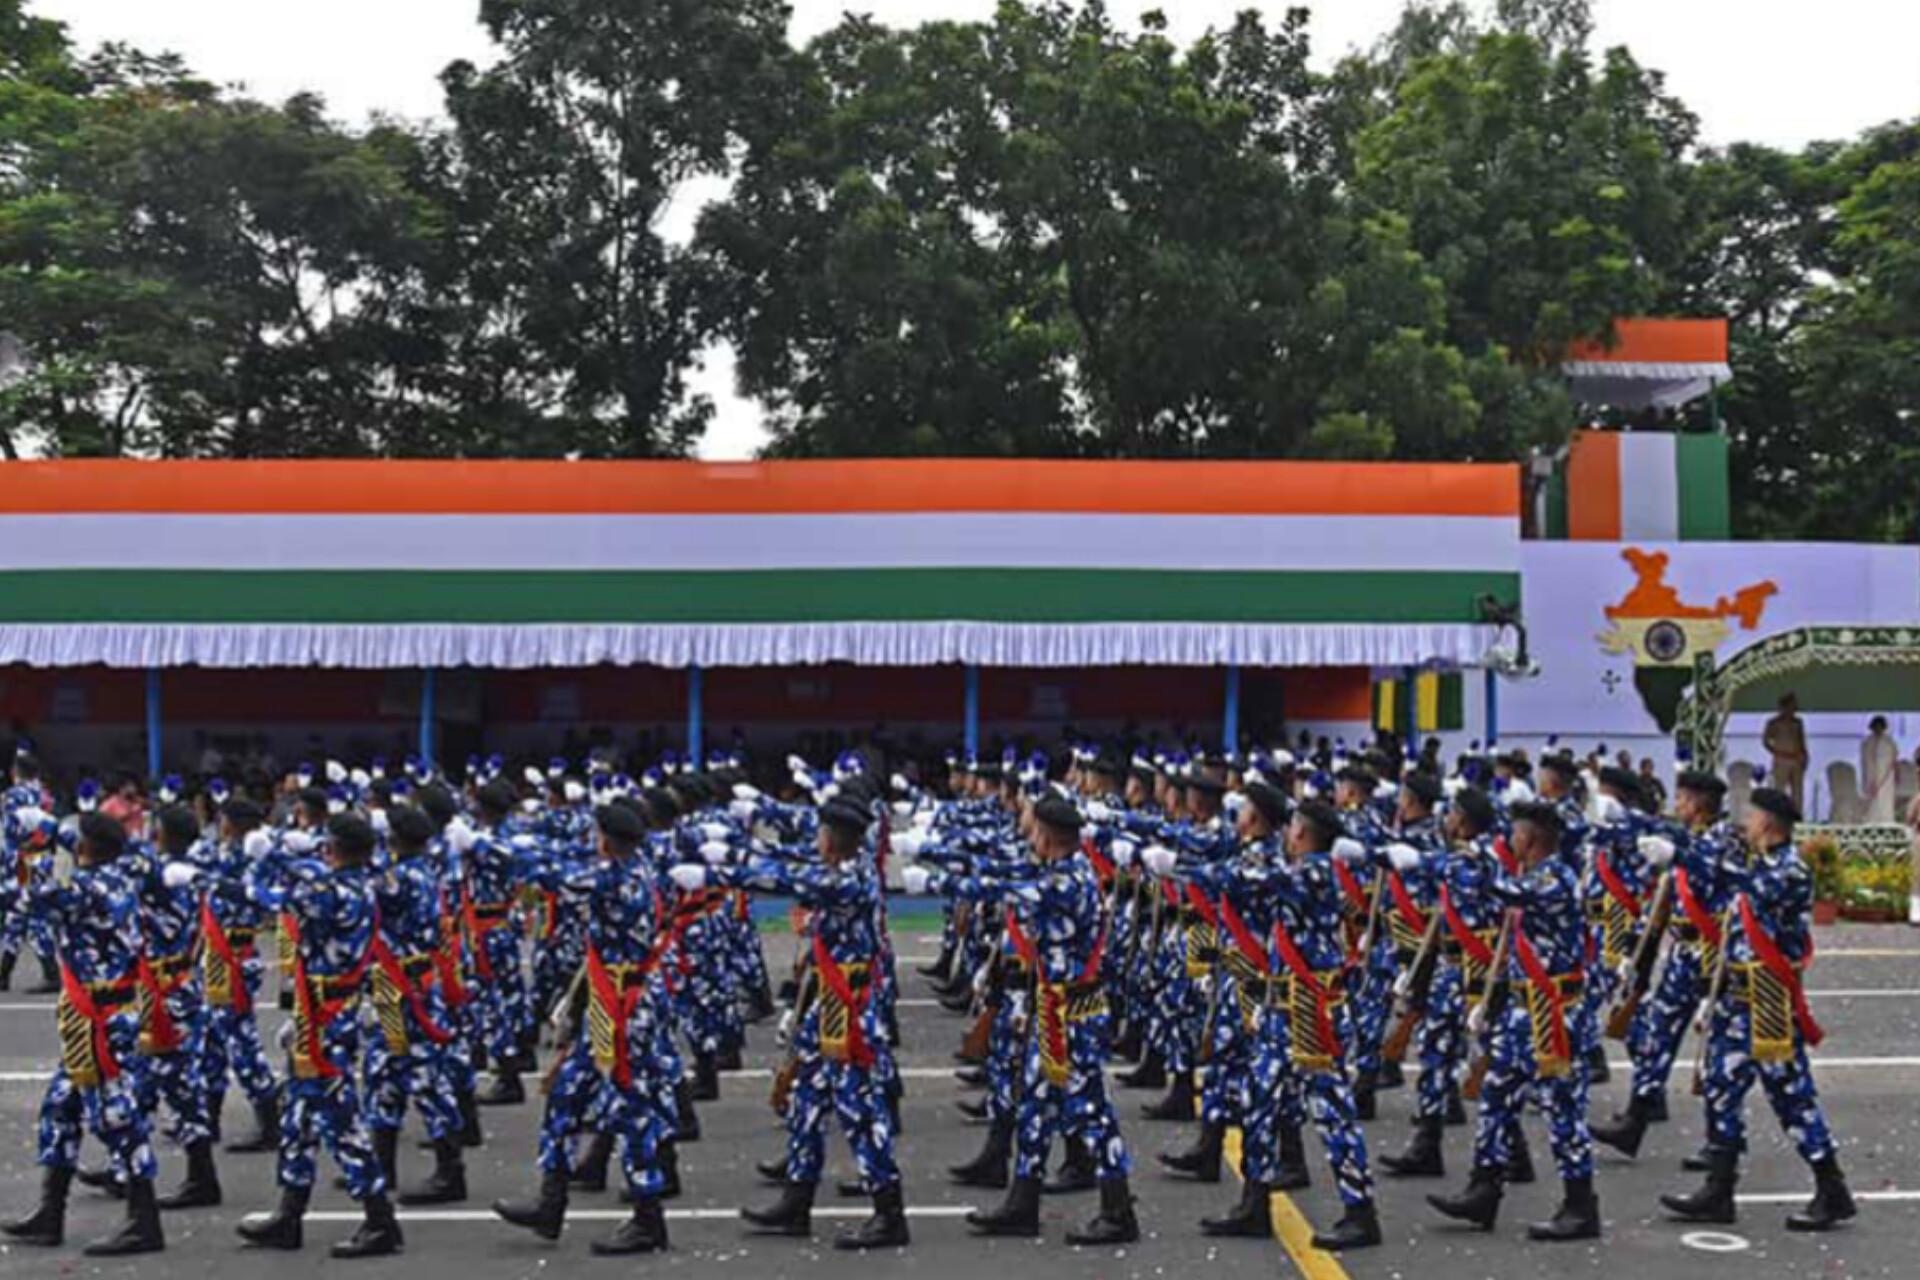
[[1759, 1026], [231, 971]]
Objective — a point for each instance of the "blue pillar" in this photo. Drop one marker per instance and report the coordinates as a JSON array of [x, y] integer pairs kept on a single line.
[[1410, 732], [696, 715], [1493, 710], [427, 714], [972, 721], [1230, 726], [153, 722]]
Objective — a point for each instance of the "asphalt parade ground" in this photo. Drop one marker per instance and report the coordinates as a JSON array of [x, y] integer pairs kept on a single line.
[[1866, 990]]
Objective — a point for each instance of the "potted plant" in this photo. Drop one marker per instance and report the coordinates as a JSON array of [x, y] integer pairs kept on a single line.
[[1822, 854]]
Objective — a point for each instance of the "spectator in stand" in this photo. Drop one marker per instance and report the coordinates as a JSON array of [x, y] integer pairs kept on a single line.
[[1879, 771], [1786, 741], [1656, 790], [128, 807]]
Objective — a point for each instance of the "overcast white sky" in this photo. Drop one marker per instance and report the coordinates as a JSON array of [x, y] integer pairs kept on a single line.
[[1761, 70]]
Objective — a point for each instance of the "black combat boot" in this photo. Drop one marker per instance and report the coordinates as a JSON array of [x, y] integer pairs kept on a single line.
[[1832, 1203], [1115, 1223], [1599, 1070], [760, 1004], [506, 1089], [1479, 1204], [1625, 1132], [281, 1228], [1366, 1102], [106, 1180], [1713, 1202], [590, 1171], [201, 1189], [1577, 1218], [1201, 1161], [1358, 1228], [729, 1058], [1177, 1106], [960, 1001], [971, 1108], [1292, 1173], [1423, 1157], [1150, 1074], [1079, 1171], [1456, 1109], [886, 1229], [544, 1216], [972, 1077], [989, 1168], [447, 1184], [773, 1171], [140, 1233], [8, 959], [1251, 1219], [265, 1135], [668, 1155], [686, 1122], [790, 1215], [386, 1153], [644, 1232], [1018, 1214], [1519, 1171], [470, 1133], [1391, 1076], [706, 1078], [1657, 1107], [47, 1224], [379, 1234]]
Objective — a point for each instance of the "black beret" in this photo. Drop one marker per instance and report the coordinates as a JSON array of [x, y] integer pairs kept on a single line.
[[1206, 778], [696, 787], [351, 833], [1057, 811], [1323, 818], [314, 798], [495, 797], [1625, 781], [1778, 803], [1540, 814], [845, 814], [1108, 765], [618, 822], [410, 826], [1701, 783], [862, 789], [243, 813], [178, 825], [661, 807], [1516, 762], [1270, 800], [437, 803], [1561, 765], [107, 837], [1424, 787], [1354, 774], [988, 769], [1476, 806]]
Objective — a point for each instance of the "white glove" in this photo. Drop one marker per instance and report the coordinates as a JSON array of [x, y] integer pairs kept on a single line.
[[743, 809], [378, 819], [923, 819], [796, 765], [1403, 984], [573, 791], [899, 783], [716, 830], [716, 852], [1519, 792], [908, 844], [530, 805], [915, 879], [1233, 802], [1657, 850], [1349, 850], [1124, 852], [784, 1032], [535, 778], [32, 817], [1385, 791], [524, 843], [1607, 810], [1159, 859], [1477, 1020], [688, 877], [361, 779], [300, 841], [901, 808], [178, 875], [1453, 786], [460, 834], [741, 791], [1099, 811], [336, 772], [255, 844], [1403, 857]]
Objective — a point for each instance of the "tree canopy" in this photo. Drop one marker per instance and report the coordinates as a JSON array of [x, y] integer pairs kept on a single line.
[[1045, 233]]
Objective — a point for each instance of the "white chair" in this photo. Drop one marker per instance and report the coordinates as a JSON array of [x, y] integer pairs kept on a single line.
[[1739, 788], [1843, 782]]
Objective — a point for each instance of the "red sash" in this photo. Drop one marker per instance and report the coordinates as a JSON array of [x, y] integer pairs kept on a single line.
[[216, 935], [477, 930], [1102, 865], [1615, 885], [82, 1001], [1470, 942], [1198, 901], [619, 1006], [1697, 915], [163, 1035], [1403, 903], [1243, 937], [1304, 975], [318, 1016], [859, 1052], [396, 974], [1022, 944], [1350, 886], [1549, 990], [1783, 969], [1508, 858]]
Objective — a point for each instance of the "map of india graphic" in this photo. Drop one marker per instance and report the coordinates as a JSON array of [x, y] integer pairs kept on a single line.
[[1664, 634]]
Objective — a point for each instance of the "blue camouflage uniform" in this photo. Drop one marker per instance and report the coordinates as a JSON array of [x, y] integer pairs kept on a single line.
[[1660, 1024], [410, 1050], [231, 970]]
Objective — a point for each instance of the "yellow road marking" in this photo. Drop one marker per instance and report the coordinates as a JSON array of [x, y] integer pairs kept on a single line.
[[1295, 1232]]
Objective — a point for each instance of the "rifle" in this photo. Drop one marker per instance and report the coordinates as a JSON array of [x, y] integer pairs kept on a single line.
[[1645, 956], [789, 1071], [1492, 999], [568, 1012], [1714, 992], [1412, 1004]]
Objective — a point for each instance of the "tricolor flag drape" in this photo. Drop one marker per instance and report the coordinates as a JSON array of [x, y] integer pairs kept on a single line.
[[526, 564]]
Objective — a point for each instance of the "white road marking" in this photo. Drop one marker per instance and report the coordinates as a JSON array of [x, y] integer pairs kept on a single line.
[[411, 1217], [1801, 1197]]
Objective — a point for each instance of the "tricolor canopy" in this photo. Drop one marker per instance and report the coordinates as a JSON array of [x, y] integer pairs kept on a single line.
[[896, 563], [1659, 364]]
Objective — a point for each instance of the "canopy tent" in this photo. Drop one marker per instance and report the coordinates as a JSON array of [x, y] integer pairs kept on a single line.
[[683, 564], [1841, 668], [1659, 364]]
